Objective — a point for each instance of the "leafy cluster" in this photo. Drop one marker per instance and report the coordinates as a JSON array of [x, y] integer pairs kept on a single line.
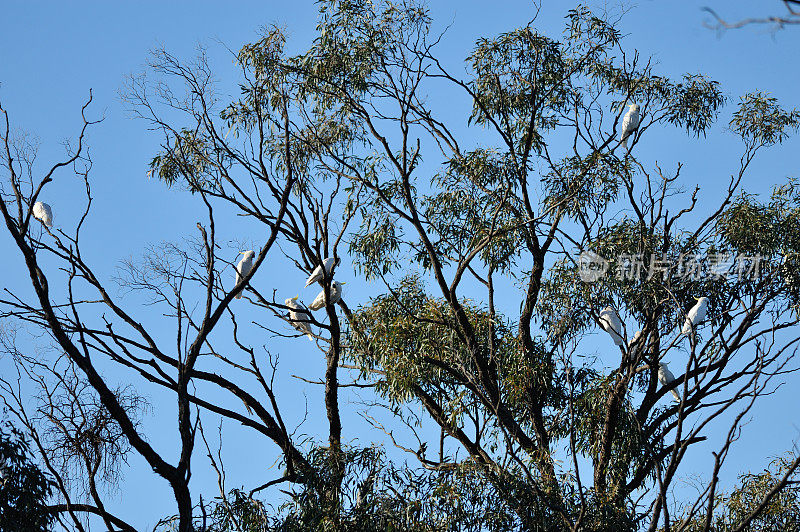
[[782, 512], [24, 488], [413, 337]]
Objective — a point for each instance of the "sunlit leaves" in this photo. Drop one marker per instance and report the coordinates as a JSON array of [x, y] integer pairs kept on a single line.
[[585, 184], [761, 121], [586, 31], [520, 82], [649, 277], [781, 513], [766, 228], [750, 227], [397, 333], [628, 446], [375, 245], [474, 210], [411, 339], [356, 38], [267, 87], [378, 496], [770, 230], [694, 103], [264, 57], [560, 308], [407, 333], [481, 167], [187, 159]]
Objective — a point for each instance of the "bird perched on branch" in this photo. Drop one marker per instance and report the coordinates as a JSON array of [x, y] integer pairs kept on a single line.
[[696, 315], [43, 213], [244, 267], [630, 123], [609, 321], [636, 343], [333, 298], [328, 264], [299, 317], [665, 377]]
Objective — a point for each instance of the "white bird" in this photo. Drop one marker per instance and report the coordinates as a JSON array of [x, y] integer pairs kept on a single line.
[[630, 123], [636, 343], [299, 317], [43, 213], [610, 323], [665, 377], [329, 263], [696, 315], [334, 297], [244, 267]]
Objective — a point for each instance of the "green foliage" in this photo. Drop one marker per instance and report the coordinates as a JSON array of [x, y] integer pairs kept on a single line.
[[264, 60], [768, 229], [552, 105], [693, 103], [582, 185], [782, 513], [376, 496], [586, 31], [355, 39], [633, 282], [185, 159], [24, 489], [760, 120], [375, 245], [752, 227], [629, 448], [506, 70], [474, 209], [407, 333]]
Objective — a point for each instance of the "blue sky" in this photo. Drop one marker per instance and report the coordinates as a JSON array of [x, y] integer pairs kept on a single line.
[[53, 53]]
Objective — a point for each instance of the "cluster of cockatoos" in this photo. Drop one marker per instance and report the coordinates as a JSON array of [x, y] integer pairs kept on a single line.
[[299, 317], [609, 321]]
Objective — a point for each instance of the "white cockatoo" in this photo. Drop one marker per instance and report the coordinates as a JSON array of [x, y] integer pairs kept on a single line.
[[334, 296], [665, 377], [244, 267], [301, 320], [43, 213], [611, 324], [696, 315], [328, 264], [636, 343], [630, 123]]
